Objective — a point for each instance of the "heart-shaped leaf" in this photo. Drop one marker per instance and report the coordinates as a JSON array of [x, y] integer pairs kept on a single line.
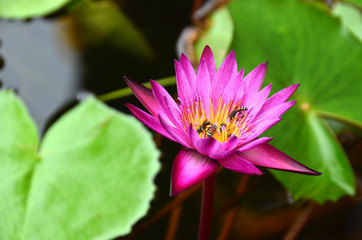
[[92, 178], [304, 44]]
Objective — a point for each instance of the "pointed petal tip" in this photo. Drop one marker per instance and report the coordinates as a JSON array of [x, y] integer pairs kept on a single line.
[[207, 49], [293, 88], [307, 171], [177, 64], [292, 103], [128, 105], [231, 55], [130, 81], [269, 86], [154, 85], [127, 80], [263, 66], [183, 58], [266, 155], [315, 173]]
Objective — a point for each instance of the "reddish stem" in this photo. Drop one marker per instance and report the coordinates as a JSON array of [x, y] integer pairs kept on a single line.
[[232, 213], [173, 225], [166, 209], [206, 208], [300, 222]]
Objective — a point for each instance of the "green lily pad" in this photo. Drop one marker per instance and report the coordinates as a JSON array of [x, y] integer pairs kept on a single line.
[[18, 157], [305, 45], [91, 179], [21, 9], [317, 147]]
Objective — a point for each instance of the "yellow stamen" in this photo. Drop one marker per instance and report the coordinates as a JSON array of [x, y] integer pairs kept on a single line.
[[219, 119]]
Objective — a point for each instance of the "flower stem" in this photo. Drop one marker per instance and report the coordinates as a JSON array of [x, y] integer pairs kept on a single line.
[[206, 208], [173, 224], [300, 222], [232, 213]]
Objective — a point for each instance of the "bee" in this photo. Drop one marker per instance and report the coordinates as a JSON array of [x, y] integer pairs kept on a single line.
[[211, 130], [222, 125], [236, 111], [203, 126]]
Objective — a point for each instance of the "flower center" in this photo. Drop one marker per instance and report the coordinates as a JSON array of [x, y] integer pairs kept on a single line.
[[220, 121]]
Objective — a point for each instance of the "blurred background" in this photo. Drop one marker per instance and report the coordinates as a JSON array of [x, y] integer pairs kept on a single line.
[[56, 57]]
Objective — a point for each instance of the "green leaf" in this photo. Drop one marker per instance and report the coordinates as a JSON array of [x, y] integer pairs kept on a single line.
[[218, 36], [21, 9], [350, 16], [18, 146], [304, 44], [93, 179], [316, 146]]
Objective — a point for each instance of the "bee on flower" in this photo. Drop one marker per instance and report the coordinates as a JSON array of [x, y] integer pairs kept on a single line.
[[218, 119]]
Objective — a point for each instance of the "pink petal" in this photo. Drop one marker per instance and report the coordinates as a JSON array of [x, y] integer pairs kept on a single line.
[[255, 78], [184, 88], [226, 149], [204, 85], [227, 70], [225, 73], [256, 101], [207, 146], [274, 112], [260, 127], [254, 143], [144, 95], [188, 70], [177, 133], [193, 135], [209, 58], [222, 154], [268, 156], [234, 89], [166, 103], [280, 96], [148, 120], [190, 168], [240, 165], [232, 142]]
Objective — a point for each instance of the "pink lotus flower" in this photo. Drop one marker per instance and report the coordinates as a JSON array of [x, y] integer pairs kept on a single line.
[[218, 119]]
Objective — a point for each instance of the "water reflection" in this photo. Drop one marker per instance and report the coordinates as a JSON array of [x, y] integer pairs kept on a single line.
[[41, 64]]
